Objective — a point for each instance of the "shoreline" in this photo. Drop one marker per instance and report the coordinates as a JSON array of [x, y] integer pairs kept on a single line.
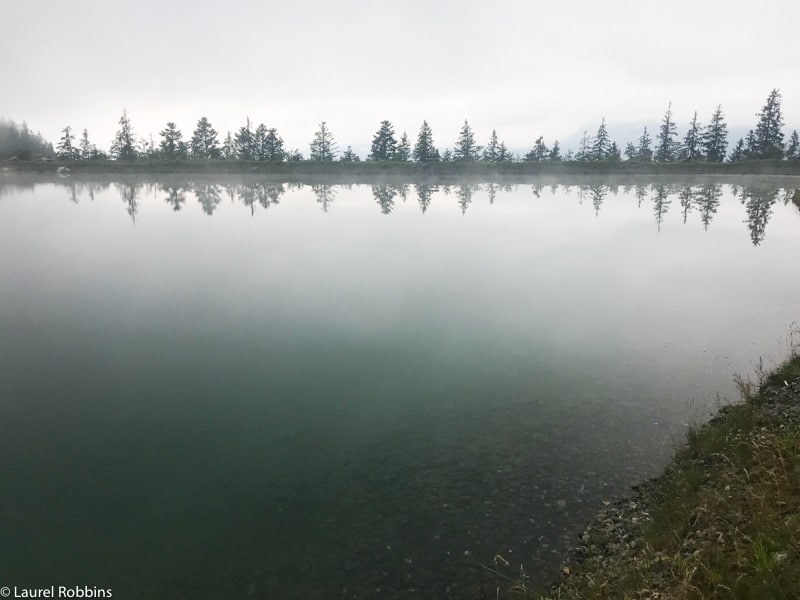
[[721, 521]]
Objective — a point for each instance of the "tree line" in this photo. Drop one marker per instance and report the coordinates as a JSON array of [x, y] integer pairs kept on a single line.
[[701, 142]]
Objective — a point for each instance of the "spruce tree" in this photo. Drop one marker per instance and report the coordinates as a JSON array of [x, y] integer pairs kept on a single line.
[[602, 143], [171, 139], [555, 152], [228, 149], [769, 131], [65, 149], [613, 153], [630, 151], [403, 153], [793, 149], [738, 152], [348, 156], [384, 144], [323, 146], [715, 137], [585, 149], [539, 151], [424, 150], [492, 149], [692, 142], [644, 152], [243, 143], [87, 151], [204, 143], [503, 154], [272, 147], [466, 148], [123, 147], [260, 142], [665, 142]]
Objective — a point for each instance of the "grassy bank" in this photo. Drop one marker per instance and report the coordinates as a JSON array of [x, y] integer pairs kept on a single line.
[[723, 521]]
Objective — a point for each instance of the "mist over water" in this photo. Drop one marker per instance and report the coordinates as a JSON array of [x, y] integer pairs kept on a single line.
[[235, 387]]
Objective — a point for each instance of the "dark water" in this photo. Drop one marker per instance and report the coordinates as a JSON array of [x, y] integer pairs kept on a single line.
[[239, 389]]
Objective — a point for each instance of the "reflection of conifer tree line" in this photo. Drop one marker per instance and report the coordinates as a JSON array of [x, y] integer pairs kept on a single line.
[[175, 196], [424, 193], [464, 195], [708, 201], [209, 196], [661, 203], [758, 204], [598, 193], [325, 195], [686, 197], [384, 196]]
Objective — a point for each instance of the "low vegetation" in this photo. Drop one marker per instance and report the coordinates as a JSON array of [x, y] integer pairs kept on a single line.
[[722, 522]]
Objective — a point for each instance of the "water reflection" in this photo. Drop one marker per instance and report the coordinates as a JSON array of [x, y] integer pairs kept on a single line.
[[704, 200]]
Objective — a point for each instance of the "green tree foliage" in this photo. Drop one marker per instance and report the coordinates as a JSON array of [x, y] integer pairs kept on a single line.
[[539, 152], [123, 147], [491, 152], [65, 149], [259, 142], [228, 149], [348, 156], [323, 146], [769, 130], [447, 155], [601, 148], [384, 144], [715, 137], [644, 152], [630, 151], [665, 141], [692, 142], [555, 152], [585, 149], [204, 143], [87, 149], [271, 148], [424, 150], [171, 145], [403, 153], [793, 149], [613, 153], [466, 148], [738, 152], [243, 143]]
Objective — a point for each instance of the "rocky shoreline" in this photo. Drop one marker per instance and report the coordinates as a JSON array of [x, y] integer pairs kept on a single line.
[[704, 527]]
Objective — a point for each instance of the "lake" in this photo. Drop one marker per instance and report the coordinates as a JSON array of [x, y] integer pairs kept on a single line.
[[232, 387]]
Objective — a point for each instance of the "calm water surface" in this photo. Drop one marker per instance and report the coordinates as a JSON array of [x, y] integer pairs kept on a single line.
[[233, 388]]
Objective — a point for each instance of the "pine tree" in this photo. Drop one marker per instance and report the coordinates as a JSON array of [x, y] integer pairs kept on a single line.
[[87, 151], [630, 151], [403, 153], [228, 150], [65, 149], [323, 147], [692, 143], [769, 131], [665, 146], [466, 148], [490, 153], [644, 152], [751, 145], [715, 137], [503, 155], [243, 143], [384, 144], [602, 143], [123, 147], [424, 150], [447, 155], [613, 153], [204, 143], [260, 142], [171, 140], [793, 149]]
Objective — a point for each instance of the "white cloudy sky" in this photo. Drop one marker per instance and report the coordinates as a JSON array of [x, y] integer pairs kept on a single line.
[[525, 68]]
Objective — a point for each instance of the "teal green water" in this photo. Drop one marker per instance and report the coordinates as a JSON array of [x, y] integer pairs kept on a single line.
[[339, 394]]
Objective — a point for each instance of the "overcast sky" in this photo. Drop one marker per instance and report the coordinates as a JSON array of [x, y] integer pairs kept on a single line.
[[524, 68]]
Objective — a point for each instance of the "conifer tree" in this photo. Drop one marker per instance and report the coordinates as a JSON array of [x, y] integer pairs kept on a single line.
[[124, 147], [87, 150], [503, 154], [602, 143], [260, 142], [692, 143], [492, 149], [466, 148], [715, 137], [644, 152], [348, 156], [403, 153], [793, 149], [323, 146], [204, 143], [555, 152], [243, 143], [65, 149], [424, 150], [228, 149], [738, 152], [384, 144], [613, 153], [539, 151], [630, 151], [171, 140], [272, 147], [585, 149], [665, 142], [769, 131]]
